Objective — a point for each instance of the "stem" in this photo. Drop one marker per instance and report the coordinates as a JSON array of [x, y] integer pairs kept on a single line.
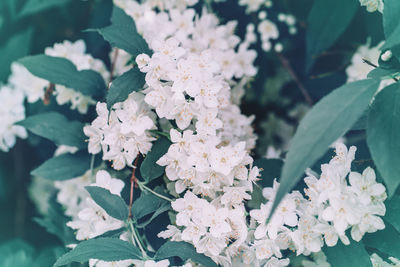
[[92, 166], [135, 236], [285, 63], [114, 61], [142, 186], [134, 180], [48, 92]]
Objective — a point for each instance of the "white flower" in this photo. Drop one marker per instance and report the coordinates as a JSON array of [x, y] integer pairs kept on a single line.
[[365, 185], [12, 110]]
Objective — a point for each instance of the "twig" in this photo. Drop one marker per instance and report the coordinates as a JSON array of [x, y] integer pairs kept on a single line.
[[144, 254], [47, 94], [113, 63], [285, 63], [134, 181], [142, 186]]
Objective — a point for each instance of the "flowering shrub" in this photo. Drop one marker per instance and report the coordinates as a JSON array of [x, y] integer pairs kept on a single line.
[[150, 154]]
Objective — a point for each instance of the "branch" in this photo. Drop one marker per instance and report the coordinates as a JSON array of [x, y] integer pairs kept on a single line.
[[134, 181], [286, 64]]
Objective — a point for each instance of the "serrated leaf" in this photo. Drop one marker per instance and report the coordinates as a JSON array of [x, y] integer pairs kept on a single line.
[[113, 204], [57, 128], [184, 251], [149, 169], [16, 47], [122, 34], [62, 71], [386, 240], [383, 133], [326, 22], [350, 255], [328, 120], [130, 81], [105, 249], [36, 6], [64, 167]]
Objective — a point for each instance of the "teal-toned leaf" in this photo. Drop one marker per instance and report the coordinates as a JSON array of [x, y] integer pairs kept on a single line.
[[36, 6], [393, 212], [326, 22], [62, 71], [391, 22], [122, 34], [106, 249], [350, 255], [184, 251], [383, 133], [130, 81], [59, 168], [146, 204], [393, 40], [150, 169], [57, 128], [386, 241], [328, 120], [383, 74], [114, 205], [16, 47]]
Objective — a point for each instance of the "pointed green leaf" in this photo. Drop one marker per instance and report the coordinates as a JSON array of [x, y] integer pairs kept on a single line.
[[391, 22], [150, 169], [383, 133], [60, 168], [328, 120], [130, 81], [184, 251], [105, 249], [393, 212], [122, 34], [62, 71], [350, 255], [114, 205], [57, 128], [327, 20], [386, 241]]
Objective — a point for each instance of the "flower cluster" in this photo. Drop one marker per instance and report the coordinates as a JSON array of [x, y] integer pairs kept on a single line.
[[12, 110], [338, 200], [373, 5], [92, 220], [34, 87], [121, 133]]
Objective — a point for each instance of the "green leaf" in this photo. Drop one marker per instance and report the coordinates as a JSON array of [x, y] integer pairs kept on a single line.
[[386, 240], [383, 132], [393, 212], [146, 204], [184, 251], [59, 168], [62, 71], [150, 169], [57, 128], [326, 22], [383, 74], [328, 120], [393, 40], [350, 255], [122, 34], [132, 80], [36, 6], [113, 204], [391, 22], [105, 249], [16, 47]]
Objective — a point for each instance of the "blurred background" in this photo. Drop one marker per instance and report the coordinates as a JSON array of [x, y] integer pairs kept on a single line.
[[28, 26]]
